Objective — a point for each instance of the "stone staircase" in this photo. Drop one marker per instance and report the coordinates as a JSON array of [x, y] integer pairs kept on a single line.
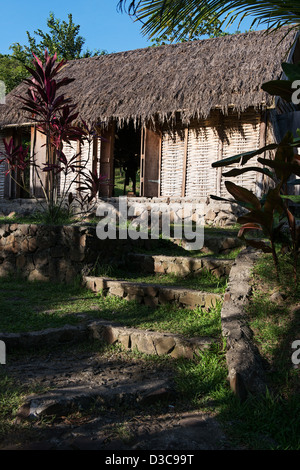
[[153, 263], [154, 292]]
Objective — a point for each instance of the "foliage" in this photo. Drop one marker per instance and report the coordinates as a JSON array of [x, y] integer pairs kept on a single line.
[[12, 72], [269, 214], [163, 16], [184, 32], [56, 117], [61, 38]]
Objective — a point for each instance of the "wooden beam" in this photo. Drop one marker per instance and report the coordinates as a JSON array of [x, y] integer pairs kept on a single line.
[[186, 136]]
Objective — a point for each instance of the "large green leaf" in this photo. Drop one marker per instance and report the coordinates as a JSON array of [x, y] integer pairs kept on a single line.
[[240, 171], [282, 88], [243, 157], [292, 198], [292, 71], [283, 169]]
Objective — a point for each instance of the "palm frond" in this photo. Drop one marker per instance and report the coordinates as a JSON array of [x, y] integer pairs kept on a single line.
[[162, 16]]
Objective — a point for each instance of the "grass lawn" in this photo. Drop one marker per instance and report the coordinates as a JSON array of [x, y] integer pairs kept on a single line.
[[260, 423], [204, 281], [36, 305]]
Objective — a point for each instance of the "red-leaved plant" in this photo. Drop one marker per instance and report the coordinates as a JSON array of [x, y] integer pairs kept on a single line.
[[56, 117]]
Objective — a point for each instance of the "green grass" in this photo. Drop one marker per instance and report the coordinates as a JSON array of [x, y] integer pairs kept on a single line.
[[168, 318], [37, 305], [204, 281], [264, 422]]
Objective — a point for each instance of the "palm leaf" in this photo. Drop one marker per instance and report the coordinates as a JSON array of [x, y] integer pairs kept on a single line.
[[163, 16]]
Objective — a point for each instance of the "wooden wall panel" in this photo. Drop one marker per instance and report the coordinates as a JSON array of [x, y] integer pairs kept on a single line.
[[150, 160], [107, 160]]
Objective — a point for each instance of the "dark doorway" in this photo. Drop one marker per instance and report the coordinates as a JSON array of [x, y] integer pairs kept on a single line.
[[127, 150]]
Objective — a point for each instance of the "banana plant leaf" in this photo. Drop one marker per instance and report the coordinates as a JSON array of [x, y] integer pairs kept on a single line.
[[292, 71], [240, 171], [243, 157], [282, 88], [292, 198]]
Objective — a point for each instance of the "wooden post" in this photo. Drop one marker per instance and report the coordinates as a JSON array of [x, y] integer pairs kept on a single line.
[[142, 161], [107, 160], [186, 135], [150, 158]]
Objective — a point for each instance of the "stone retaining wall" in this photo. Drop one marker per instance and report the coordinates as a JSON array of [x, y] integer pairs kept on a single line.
[[62, 252], [212, 212], [246, 373], [178, 265]]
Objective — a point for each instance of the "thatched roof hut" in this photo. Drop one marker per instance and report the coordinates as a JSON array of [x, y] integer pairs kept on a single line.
[[192, 78], [190, 84]]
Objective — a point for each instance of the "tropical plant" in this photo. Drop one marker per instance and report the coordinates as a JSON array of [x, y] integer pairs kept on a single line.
[[184, 32], [270, 214], [164, 16], [56, 117]]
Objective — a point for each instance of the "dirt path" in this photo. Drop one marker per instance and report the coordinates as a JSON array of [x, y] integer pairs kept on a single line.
[[106, 401]]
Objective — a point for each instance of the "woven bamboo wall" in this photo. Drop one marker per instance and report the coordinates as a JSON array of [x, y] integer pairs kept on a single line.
[[203, 149], [172, 163], [68, 184], [186, 160], [85, 157], [241, 135]]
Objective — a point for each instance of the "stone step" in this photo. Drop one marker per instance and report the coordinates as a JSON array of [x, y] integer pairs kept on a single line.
[[111, 333], [152, 294], [179, 265], [60, 402]]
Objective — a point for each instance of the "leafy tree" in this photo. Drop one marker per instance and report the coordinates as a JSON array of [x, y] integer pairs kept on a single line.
[[165, 16], [12, 72], [62, 38]]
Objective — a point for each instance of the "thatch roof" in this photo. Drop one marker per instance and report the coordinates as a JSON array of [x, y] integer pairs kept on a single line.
[[191, 78]]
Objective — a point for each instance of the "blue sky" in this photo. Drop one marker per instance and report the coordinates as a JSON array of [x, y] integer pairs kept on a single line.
[[102, 26]]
